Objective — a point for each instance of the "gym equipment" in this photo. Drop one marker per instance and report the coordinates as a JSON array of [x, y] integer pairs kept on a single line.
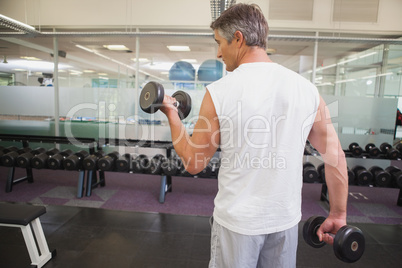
[[39, 161], [396, 175], [140, 163], [382, 178], [107, 163], [10, 158], [24, 160], [152, 95], [155, 165], [56, 161], [123, 163], [75, 161], [210, 70], [372, 150], [390, 152], [170, 166], [355, 149], [7, 150], [362, 176], [26, 217], [310, 174], [182, 71], [399, 147], [349, 241], [91, 161]]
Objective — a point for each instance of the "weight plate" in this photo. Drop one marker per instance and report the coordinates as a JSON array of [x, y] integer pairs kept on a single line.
[[184, 103], [352, 145], [151, 97], [369, 146], [349, 244], [310, 231], [384, 147]]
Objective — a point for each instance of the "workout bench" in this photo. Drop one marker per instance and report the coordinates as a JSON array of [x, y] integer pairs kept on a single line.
[[25, 216]]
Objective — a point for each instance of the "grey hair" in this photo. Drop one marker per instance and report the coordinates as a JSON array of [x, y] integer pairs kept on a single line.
[[248, 19]]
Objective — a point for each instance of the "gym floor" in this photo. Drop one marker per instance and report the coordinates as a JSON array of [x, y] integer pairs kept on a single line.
[[92, 237], [124, 225]]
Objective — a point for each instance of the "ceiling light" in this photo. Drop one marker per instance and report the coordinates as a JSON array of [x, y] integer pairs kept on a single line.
[[29, 58], [189, 60], [102, 73], [89, 71], [116, 47], [140, 59], [19, 70], [179, 48], [165, 66]]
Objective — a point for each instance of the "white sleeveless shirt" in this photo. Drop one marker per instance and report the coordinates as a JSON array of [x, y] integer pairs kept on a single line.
[[265, 114]]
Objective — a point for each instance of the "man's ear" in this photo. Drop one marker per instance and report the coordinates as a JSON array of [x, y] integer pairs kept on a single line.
[[239, 38]]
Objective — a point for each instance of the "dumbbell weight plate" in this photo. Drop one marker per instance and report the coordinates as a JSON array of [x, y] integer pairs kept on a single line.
[[349, 244], [185, 103], [151, 97], [310, 228]]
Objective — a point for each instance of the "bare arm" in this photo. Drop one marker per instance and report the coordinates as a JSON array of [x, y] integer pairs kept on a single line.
[[324, 138], [197, 150]]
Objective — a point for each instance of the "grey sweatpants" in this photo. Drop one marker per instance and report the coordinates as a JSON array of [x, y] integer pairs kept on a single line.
[[233, 250]]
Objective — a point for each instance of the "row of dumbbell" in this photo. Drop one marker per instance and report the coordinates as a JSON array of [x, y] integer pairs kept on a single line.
[[358, 175], [385, 151], [41, 158]]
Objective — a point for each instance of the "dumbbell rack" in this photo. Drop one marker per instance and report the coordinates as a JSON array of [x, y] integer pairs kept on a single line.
[[26, 139], [313, 156], [166, 180]]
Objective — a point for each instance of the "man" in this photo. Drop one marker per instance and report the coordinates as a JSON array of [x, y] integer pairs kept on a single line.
[[260, 116]]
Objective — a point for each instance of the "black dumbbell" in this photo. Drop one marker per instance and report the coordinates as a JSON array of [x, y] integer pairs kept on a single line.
[[399, 147], [10, 158], [91, 161], [56, 161], [24, 160], [396, 175], [382, 178], [362, 176], [107, 163], [75, 161], [390, 152], [349, 241], [124, 163], [7, 150], [155, 165], [372, 150], [140, 163], [211, 169], [355, 149], [40, 161], [170, 165], [152, 95], [310, 173]]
